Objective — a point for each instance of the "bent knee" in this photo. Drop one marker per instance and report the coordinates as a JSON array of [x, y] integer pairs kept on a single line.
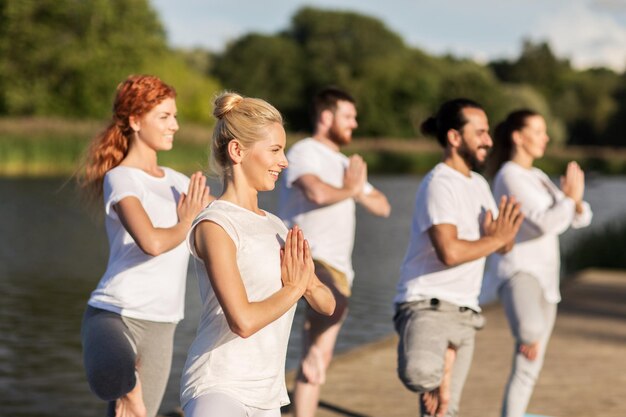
[[110, 384], [420, 377]]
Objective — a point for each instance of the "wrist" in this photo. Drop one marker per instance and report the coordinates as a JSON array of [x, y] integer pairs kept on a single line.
[[295, 288], [579, 207]]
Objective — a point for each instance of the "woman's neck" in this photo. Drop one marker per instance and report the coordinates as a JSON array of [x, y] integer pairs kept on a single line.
[[241, 194], [143, 158], [523, 159]]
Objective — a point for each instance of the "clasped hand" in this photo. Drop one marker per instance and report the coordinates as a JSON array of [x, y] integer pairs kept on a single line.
[[296, 263]]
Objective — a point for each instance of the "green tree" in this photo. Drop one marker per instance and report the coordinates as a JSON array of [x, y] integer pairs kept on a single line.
[[538, 66], [65, 57], [615, 132], [340, 45], [269, 67], [194, 89]]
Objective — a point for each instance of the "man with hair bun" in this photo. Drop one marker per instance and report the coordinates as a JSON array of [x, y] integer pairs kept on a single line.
[[454, 228], [319, 194]]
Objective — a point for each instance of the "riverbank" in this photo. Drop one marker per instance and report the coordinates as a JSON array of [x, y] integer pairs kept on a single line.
[[584, 373], [39, 147]]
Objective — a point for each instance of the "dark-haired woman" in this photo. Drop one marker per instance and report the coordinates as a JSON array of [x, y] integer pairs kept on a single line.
[[527, 278], [128, 327]]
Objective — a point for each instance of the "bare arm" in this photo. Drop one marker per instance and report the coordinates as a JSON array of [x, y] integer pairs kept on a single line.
[[375, 202], [157, 240], [245, 318], [453, 251], [320, 297], [322, 193]]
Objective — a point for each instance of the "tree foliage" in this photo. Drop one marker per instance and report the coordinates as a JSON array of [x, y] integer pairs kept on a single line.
[[65, 57]]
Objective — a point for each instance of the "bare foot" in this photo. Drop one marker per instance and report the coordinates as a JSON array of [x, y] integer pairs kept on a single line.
[[436, 401], [313, 367], [131, 405], [529, 351]]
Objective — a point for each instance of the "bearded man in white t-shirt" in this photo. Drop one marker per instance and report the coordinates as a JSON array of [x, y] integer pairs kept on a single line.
[[319, 192], [454, 228]]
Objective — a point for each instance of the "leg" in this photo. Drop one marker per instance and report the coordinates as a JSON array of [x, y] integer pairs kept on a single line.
[[109, 356], [155, 344], [436, 402], [531, 319], [319, 337], [422, 349], [463, 343]]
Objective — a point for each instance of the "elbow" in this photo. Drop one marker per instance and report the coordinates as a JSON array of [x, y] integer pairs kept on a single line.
[[386, 211], [317, 198], [448, 258], [242, 328], [329, 309], [152, 247]]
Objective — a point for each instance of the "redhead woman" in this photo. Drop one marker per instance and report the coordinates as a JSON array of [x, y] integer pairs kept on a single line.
[[527, 278], [251, 271], [128, 327]]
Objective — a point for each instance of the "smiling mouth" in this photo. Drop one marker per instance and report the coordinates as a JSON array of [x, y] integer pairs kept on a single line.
[[274, 173]]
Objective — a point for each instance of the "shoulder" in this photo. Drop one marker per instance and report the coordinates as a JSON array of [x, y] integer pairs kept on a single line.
[[441, 177], [122, 176], [222, 214]]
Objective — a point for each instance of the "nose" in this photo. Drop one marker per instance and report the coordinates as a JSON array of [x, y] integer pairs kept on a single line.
[[488, 140], [284, 163], [174, 125]]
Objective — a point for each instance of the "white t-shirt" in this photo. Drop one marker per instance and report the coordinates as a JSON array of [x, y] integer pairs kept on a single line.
[[250, 370], [329, 229], [445, 196], [548, 213], [136, 284]]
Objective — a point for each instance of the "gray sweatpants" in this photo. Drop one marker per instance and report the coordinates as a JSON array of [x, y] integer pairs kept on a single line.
[[531, 319], [426, 329], [117, 349]]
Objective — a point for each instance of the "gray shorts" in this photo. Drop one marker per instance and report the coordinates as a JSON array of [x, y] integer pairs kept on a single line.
[[116, 349], [426, 329]]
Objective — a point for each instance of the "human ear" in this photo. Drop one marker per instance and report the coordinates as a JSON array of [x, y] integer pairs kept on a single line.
[[235, 151], [135, 123], [516, 136], [326, 117], [454, 138]]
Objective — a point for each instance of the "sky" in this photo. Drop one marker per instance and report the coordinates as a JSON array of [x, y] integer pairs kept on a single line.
[[588, 32]]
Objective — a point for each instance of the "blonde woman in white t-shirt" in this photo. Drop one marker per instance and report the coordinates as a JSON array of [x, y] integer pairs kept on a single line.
[[252, 271], [128, 327], [527, 278]]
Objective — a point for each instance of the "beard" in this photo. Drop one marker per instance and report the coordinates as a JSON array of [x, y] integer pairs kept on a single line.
[[469, 156], [338, 136]]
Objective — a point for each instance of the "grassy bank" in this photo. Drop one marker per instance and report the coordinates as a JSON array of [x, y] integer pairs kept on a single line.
[[44, 147]]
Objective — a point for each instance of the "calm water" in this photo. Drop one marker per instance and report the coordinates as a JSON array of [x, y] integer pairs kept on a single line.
[[52, 255]]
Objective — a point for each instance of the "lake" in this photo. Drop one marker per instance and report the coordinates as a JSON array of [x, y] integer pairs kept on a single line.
[[52, 254]]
